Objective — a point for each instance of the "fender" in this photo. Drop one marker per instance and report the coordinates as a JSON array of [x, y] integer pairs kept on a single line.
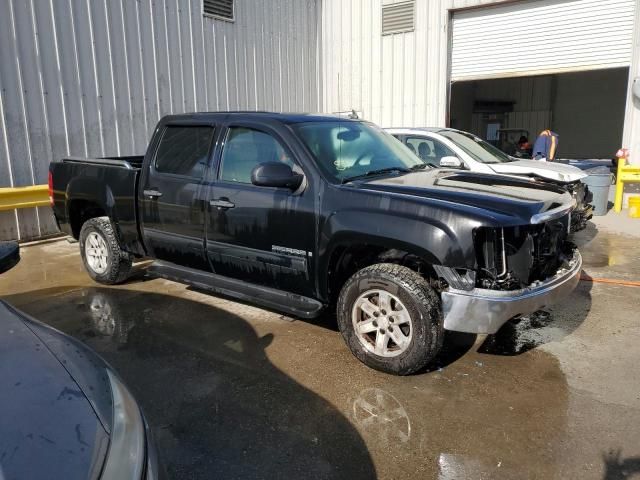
[[118, 205], [93, 191], [435, 241]]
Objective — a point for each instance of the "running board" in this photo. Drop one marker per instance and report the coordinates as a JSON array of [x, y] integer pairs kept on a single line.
[[272, 298]]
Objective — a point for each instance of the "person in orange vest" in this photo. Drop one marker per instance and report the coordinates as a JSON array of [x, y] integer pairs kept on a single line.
[[546, 146]]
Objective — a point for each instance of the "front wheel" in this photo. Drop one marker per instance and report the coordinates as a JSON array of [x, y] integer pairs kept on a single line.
[[103, 258], [391, 318]]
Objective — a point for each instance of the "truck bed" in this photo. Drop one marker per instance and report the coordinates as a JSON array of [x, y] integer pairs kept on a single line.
[[108, 184]]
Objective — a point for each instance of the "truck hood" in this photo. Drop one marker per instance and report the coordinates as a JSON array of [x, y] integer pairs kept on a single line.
[[548, 170], [514, 200]]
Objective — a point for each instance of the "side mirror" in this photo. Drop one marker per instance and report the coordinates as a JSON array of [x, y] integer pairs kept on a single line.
[[9, 255], [275, 174], [450, 162]]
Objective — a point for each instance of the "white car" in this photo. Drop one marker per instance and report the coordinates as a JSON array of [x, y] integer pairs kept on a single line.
[[450, 148]]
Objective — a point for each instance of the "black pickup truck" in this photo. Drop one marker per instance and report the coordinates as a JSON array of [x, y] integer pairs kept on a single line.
[[301, 212]]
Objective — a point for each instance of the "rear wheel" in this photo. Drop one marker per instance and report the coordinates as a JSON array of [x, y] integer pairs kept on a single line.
[[391, 318], [103, 258]]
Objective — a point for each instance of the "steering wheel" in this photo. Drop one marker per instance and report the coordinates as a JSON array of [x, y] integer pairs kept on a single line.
[[359, 160]]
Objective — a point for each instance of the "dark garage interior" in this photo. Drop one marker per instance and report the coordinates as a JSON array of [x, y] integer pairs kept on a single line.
[[585, 108]]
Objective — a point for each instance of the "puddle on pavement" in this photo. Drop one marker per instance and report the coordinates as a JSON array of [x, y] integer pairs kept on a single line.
[[601, 249], [473, 419], [492, 407], [219, 406]]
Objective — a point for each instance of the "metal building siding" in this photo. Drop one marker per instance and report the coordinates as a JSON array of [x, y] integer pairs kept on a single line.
[[92, 78], [631, 134], [395, 80], [543, 36]]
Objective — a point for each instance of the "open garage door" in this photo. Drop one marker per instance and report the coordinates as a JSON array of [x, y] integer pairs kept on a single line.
[[585, 108], [541, 37]]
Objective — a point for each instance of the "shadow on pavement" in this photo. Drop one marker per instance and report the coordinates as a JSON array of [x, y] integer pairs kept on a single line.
[[585, 236], [618, 468], [455, 346], [216, 404]]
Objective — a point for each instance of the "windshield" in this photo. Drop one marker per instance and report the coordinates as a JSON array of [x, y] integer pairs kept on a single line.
[[478, 149], [345, 150]]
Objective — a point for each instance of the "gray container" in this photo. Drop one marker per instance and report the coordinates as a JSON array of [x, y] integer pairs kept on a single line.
[[599, 181]]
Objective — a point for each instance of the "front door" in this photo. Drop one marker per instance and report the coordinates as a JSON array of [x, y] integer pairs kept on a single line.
[[172, 207], [261, 235]]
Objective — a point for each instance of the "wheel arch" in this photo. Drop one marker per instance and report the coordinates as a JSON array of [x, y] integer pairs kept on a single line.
[[427, 241], [88, 198], [351, 253]]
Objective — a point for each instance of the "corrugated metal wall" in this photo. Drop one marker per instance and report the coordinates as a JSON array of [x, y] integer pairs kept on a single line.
[[403, 79], [395, 80], [91, 78], [631, 135]]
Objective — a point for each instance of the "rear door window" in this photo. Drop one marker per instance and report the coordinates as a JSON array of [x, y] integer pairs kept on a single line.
[[184, 150]]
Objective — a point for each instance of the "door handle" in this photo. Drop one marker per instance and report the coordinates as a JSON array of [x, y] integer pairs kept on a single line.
[[222, 203], [152, 193]]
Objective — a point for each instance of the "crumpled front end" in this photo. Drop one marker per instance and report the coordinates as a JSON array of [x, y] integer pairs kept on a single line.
[[484, 311], [511, 258], [584, 210], [519, 270]]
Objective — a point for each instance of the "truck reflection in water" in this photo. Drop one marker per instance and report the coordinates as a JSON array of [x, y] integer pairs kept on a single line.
[[382, 415], [105, 320]]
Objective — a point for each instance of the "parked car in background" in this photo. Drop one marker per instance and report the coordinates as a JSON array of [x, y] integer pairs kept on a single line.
[[450, 148], [301, 212], [65, 412]]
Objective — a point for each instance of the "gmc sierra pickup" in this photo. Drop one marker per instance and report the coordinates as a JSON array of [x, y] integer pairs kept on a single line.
[[300, 212]]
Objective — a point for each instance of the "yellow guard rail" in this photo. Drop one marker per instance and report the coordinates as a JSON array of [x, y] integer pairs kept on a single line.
[[24, 197]]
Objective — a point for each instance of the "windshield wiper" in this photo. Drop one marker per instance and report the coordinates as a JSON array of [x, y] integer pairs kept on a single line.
[[379, 171]]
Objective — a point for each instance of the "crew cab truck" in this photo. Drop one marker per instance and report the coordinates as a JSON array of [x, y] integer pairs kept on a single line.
[[299, 213]]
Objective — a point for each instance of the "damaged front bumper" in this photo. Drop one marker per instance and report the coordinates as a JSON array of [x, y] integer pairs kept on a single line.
[[484, 311]]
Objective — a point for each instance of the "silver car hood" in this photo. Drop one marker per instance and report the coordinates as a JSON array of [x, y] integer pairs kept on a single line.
[[549, 170]]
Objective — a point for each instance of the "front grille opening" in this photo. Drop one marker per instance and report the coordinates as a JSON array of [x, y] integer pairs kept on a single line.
[[512, 258]]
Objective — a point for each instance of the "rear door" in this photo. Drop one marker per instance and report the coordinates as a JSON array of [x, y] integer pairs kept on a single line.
[[171, 195], [262, 235]]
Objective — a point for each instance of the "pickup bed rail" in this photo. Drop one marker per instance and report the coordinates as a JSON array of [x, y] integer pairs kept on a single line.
[[130, 163]]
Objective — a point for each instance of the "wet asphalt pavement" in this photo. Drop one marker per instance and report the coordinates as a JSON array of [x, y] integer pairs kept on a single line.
[[235, 391]]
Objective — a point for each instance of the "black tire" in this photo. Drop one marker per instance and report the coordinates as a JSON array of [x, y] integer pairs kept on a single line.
[[118, 261], [422, 303]]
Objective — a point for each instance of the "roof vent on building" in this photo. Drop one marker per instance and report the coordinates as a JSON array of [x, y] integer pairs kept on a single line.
[[398, 17], [218, 8]]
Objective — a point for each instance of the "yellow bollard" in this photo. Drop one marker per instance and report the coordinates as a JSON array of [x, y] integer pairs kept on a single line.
[[617, 205], [626, 174]]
